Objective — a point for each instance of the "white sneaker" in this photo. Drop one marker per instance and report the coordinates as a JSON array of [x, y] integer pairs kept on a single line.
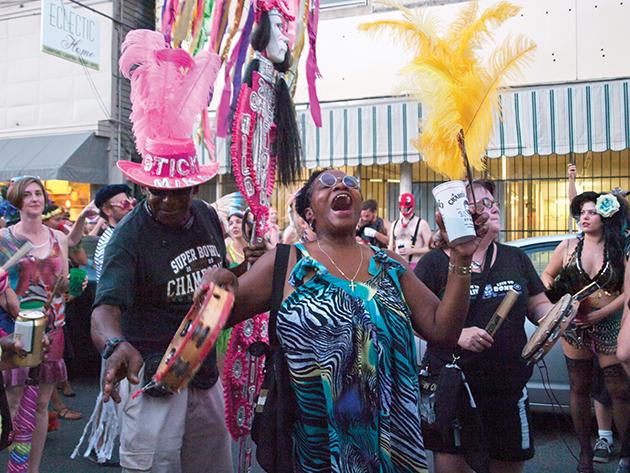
[[602, 451]]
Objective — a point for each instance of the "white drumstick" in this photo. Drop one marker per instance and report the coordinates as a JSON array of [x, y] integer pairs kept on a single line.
[[17, 256]]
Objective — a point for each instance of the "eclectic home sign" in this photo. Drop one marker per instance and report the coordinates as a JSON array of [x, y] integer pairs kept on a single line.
[[70, 33]]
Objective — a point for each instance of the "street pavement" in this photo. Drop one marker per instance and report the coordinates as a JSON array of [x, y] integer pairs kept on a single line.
[[553, 435]]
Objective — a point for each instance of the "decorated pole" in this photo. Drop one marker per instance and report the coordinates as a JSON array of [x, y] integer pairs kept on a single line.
[[265, 140]]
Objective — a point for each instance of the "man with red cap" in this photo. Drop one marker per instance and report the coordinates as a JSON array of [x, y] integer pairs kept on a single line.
[[410, 235]]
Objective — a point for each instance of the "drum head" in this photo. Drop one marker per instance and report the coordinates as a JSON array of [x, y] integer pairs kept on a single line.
[[194, 339], [549, 329]]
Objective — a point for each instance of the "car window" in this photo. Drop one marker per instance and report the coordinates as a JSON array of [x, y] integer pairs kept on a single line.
[[540, 254]]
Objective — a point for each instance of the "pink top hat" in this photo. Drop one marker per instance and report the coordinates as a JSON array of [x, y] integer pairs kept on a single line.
[[169, 89], [168, 165]]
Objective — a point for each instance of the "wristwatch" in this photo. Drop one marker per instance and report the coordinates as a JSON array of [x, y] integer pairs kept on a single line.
[[110, 346]]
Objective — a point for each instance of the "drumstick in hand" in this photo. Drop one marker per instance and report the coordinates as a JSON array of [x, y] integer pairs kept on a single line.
[[502, 312], [17, 256]]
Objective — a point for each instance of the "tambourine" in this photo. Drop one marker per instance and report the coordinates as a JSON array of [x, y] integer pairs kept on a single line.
[[551, 327], [193, 341], [555, 323]]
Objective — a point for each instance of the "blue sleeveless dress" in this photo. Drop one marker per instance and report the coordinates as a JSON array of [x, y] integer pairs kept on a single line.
[[352, 365]]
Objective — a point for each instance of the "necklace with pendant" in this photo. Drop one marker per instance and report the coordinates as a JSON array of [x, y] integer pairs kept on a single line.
[[478, 265], [353, 278]]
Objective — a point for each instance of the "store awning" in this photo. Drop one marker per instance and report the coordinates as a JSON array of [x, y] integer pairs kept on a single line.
[[558, 119], [79, 157]]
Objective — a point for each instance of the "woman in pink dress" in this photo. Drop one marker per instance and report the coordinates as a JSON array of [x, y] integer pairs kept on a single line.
[[39, 278]]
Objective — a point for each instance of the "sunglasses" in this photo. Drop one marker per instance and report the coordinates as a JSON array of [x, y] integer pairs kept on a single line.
[[123, 204], [170, 192], [487, 203], [19, 178], [330, 180]]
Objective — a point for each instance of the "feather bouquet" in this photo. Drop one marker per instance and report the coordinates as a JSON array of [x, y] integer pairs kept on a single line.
[[450, 78], [169, 88]]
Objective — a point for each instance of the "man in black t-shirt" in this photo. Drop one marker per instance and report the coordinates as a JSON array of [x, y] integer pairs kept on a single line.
[[153, 263]]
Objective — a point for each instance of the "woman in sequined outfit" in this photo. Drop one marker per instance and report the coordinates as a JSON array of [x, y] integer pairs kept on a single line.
[[597, 254]]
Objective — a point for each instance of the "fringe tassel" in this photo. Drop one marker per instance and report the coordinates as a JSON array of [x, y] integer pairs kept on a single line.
[[103, 428]]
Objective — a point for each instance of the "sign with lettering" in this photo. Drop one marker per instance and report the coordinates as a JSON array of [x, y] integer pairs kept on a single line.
[[70, 33]]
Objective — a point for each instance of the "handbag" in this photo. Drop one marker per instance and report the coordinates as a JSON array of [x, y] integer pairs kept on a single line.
[[447, 404], [276, 408]]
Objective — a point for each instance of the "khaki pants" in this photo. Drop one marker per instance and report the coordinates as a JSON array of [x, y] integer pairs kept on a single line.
[[181, 433]]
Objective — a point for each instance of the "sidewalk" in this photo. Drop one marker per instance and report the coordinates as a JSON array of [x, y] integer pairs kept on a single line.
[[61, 443]]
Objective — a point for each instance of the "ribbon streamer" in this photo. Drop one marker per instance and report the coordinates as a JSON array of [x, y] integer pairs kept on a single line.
[[312, 71], [239, 49]]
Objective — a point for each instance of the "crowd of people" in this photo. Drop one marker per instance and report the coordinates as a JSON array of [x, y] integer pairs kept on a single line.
[[356, 291]]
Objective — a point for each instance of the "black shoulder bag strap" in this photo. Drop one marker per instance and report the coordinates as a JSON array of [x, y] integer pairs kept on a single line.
[[485, 272], [277, 287], [414, 238], [276, 407]]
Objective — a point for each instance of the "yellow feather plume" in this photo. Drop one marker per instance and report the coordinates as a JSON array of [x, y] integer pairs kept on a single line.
[[449, 78]]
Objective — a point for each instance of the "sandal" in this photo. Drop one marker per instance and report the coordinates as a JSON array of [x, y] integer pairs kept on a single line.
[[68, 414], [68, 392]]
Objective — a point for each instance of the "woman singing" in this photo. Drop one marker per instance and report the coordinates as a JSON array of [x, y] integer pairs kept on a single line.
[[346, 326]]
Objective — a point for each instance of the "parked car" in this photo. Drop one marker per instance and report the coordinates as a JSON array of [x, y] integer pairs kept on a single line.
[[549, 385]]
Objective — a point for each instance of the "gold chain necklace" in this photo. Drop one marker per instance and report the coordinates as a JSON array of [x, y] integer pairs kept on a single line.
[[352, 284]]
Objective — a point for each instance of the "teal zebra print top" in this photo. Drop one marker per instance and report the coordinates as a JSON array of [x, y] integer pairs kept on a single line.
[[352, 365]]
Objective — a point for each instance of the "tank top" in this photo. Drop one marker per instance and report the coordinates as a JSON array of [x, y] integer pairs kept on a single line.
[[351, 359], [33, 279]]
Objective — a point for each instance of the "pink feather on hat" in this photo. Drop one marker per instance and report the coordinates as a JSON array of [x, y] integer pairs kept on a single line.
[[169, 88]]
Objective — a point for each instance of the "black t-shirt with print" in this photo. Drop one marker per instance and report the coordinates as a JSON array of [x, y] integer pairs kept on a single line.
[[502, 362], [151, 271]]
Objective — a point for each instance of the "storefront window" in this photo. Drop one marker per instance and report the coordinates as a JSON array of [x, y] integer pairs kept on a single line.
[[532, 191], [71, 196]]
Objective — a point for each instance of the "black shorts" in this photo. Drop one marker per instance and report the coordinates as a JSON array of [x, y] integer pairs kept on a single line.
[[506, 426]]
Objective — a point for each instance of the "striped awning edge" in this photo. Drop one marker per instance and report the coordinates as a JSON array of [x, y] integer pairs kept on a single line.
[[542, 120]]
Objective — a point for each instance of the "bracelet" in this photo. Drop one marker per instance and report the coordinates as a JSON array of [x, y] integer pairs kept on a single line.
[[459, 270]]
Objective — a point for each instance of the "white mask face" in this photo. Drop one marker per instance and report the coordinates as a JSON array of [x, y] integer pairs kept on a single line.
[[278, 41]]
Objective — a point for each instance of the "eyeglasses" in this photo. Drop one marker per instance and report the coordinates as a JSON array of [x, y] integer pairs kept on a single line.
[[487, 203], [170, 192], [123, 204], [327, 179]]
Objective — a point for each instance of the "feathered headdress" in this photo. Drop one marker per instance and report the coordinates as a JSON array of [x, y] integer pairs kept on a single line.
[[451, 80], [169, 88], [228, 204]]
